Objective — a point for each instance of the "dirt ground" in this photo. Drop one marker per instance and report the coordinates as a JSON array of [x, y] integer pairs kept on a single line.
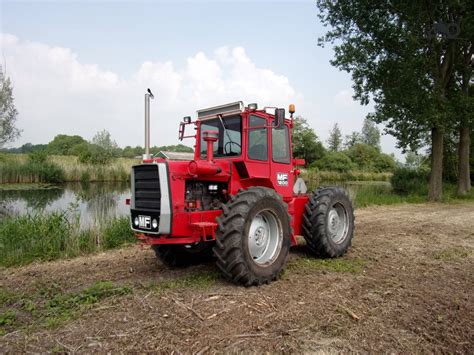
[[406, 286]]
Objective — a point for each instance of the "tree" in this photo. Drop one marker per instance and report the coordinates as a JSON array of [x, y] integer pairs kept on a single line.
[[335, 139], [351, 139], [370, 134], [363, 155], [413, 160], [62, 144], [8, 111], [104, 140], [406, 69], [464, 107], [306, 144]]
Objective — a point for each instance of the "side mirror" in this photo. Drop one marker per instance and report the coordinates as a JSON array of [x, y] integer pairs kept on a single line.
[[279, 117]]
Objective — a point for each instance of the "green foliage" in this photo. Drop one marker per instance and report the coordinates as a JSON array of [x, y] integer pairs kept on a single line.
[[352, 139], [180, 148], [8, 111], [63, 144], [107, 145], [117, 232], [95, 155], [305, 142], [65, 306], [384, 162], [410, 181], [38, 157], [335, 139], [370, 134], [47, 236], [334, 161], [368, 158], [413, 160]]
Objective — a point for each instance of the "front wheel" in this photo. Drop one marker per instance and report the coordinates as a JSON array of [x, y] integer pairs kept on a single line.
[[328, 222], [253, 237]]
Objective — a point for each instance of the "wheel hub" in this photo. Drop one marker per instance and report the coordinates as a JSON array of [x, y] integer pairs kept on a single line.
[[265, 238], [260, 236], [338, 223]]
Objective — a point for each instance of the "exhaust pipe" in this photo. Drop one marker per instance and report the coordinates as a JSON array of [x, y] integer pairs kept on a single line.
[[148, 96]]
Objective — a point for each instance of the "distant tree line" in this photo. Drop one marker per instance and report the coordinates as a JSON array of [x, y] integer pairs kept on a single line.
[[100, 150], [357, 151]]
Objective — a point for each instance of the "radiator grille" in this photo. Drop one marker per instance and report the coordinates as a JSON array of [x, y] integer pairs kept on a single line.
[[147, 187]]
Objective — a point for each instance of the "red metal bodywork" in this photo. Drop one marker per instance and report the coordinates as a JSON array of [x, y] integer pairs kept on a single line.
[[195, 226]]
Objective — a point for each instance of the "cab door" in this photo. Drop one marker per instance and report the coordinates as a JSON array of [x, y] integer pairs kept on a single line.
[[280, 156]]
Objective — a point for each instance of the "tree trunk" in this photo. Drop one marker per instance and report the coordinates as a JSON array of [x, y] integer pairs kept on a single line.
[[436, 177], [464, 182]]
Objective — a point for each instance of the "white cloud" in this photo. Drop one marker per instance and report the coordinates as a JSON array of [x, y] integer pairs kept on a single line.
[[56, 93]]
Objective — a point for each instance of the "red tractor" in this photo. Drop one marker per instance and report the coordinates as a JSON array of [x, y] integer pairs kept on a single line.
[[240, 200]]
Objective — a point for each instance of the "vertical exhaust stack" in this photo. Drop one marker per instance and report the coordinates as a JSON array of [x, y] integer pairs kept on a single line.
[[148, 96]]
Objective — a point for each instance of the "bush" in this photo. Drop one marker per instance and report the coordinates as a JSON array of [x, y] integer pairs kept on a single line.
[[384, 163], [38, 156], [410, 181], [334, 161], [95, 155], [363, 156]]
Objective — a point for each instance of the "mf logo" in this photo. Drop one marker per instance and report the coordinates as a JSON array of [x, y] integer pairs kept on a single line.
[[282, 179], [144, 222]]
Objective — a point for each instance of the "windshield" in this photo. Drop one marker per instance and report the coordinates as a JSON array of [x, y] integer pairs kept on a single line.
[[230, 136]]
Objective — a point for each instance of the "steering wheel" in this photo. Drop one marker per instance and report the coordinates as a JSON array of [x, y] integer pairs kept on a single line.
[[229, 143]]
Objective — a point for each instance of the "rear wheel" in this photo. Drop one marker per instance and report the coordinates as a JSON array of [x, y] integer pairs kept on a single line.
[[253, 237], [328, 222], [184, 255]]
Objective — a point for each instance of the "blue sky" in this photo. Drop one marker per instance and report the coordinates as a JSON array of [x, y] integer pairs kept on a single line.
[[277, 58]]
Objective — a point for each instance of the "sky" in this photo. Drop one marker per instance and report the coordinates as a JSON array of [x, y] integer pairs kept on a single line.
[[79, 67]]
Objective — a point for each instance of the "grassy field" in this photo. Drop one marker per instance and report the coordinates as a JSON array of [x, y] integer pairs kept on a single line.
[[16, 168]]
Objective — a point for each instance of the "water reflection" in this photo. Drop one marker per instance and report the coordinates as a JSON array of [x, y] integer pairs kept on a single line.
[[95, 202]]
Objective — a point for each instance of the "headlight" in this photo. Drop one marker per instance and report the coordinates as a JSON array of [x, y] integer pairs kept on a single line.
[[135, 221], [154, 224]]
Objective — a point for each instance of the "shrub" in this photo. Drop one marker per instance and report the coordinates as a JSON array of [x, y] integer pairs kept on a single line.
[[363, 156], [410, 181], [384, 163], [334, 161]]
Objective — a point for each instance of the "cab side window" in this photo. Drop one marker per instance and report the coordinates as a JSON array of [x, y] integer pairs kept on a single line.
[[280, 145], [258, 139]]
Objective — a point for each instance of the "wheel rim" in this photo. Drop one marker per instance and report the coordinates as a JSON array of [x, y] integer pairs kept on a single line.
[[265, 238], [338, 223]]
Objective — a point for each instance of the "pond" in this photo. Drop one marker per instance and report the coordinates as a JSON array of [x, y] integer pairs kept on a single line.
[[94, 201]]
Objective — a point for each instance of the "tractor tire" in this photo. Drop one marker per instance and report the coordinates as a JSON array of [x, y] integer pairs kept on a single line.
[[253, 237], [184, 255], [328, 222]]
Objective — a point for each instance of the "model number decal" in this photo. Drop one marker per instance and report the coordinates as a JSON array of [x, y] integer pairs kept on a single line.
[[282, 179]]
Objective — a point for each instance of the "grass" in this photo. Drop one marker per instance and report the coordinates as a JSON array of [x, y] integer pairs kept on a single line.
[[309, 264], [452, 254], [49, 307], [48, 236], [18, 168]]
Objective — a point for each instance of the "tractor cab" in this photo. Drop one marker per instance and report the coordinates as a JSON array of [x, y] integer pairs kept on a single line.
[[257, 143]]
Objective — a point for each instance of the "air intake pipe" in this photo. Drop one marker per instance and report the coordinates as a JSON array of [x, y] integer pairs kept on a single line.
[[206, 167]]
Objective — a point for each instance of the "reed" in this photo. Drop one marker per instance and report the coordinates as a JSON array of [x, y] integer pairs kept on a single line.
[[48, 236], [18, 168]]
